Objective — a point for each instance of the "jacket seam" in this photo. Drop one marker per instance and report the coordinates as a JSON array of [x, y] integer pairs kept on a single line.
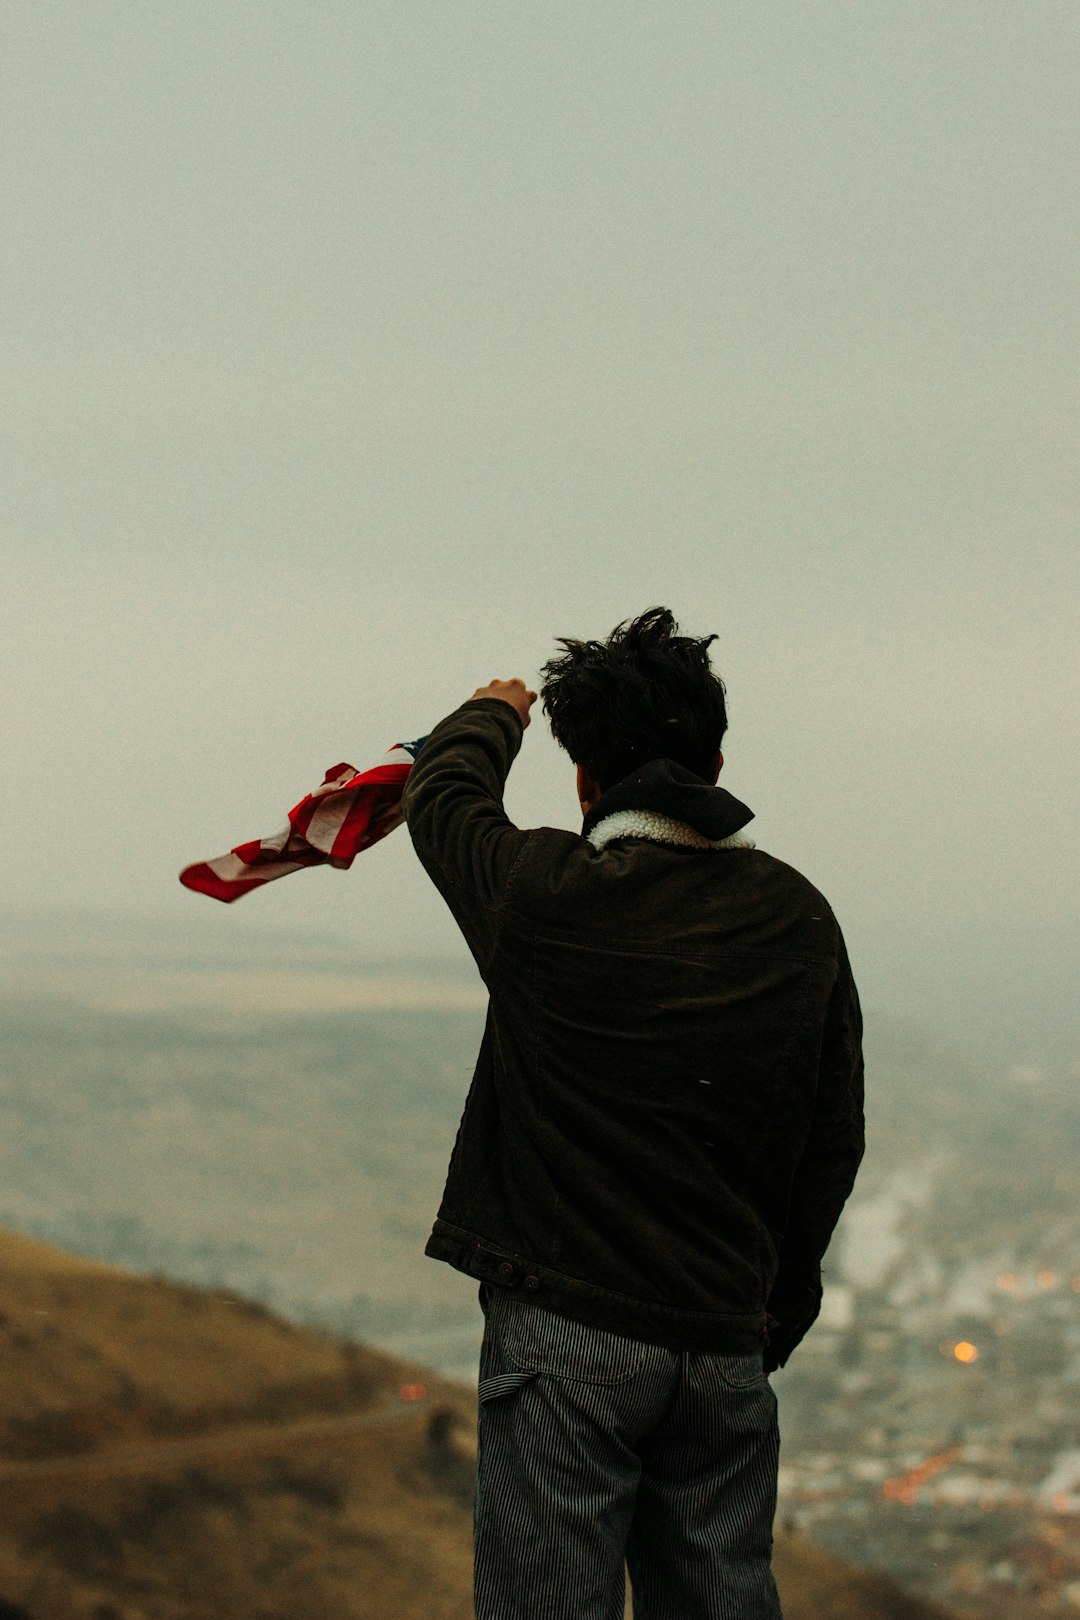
[[629, 946]]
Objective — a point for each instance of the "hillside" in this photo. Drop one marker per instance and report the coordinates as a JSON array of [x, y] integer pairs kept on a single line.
[[170, 1453], [173, 1454]]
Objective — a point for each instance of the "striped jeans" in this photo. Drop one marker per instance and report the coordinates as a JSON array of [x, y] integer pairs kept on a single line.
[[597, 1451]]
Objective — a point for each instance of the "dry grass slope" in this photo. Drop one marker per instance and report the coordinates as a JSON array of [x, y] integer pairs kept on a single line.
[[173, 1454]]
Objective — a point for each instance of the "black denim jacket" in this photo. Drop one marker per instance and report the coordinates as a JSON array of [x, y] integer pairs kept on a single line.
[[666, 1113]]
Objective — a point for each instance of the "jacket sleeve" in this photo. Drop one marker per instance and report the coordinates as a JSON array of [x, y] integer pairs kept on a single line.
[[825, 1173], [453, 803]]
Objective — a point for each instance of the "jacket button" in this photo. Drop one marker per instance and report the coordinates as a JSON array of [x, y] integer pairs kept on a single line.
[[532, 1282], [507, 1272]]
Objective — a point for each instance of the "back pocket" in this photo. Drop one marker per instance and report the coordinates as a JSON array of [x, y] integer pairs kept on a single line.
[[740, 1372], [537, 1341]]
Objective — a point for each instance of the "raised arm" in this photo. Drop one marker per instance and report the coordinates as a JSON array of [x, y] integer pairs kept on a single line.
[[453, 803]]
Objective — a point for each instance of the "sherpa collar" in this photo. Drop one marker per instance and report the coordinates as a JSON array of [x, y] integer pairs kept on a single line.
[[657, 829], [664, 795]]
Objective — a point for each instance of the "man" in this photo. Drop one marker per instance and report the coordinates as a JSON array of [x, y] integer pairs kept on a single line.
[[663, 1125]]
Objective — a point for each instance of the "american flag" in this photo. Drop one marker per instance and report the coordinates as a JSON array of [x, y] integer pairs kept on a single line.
[[347, 813]]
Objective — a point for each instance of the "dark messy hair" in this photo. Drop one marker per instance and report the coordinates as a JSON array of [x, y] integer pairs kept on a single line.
[[644, 693]]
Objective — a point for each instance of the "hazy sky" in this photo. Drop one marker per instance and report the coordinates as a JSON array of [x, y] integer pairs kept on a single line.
[[355, 350]]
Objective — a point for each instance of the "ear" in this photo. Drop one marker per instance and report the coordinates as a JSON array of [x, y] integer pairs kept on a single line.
[[719, 767], [588, 789]]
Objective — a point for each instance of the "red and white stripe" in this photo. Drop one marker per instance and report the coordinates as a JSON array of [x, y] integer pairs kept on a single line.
[[349, 812]]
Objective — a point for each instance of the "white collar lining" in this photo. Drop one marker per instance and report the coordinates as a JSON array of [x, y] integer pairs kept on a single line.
[[658, 829]]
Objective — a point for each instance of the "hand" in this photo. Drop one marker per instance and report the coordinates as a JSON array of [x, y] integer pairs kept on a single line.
[[516, 693]]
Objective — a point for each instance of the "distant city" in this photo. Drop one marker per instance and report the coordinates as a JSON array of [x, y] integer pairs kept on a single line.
[[932, 1426]]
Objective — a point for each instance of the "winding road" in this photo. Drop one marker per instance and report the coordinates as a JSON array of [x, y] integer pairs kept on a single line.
[[246, 1440]]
